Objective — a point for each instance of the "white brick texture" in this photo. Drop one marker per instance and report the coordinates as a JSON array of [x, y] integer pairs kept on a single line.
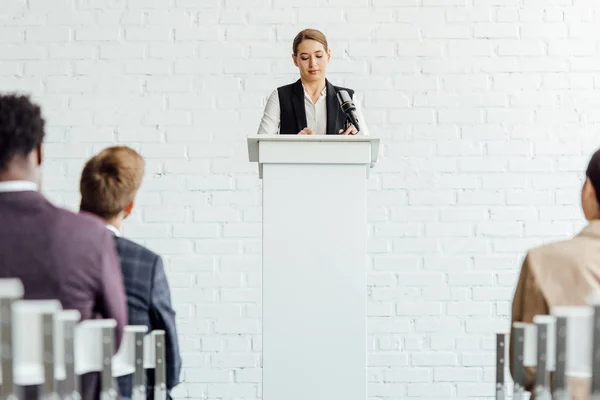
[[487, 110]]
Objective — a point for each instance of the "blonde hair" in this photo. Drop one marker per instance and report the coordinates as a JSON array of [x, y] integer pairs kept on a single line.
[[110, 181], [309, 34]]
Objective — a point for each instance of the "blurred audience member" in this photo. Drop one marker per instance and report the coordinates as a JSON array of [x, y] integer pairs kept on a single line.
[[109, 183], [57, 254], [563, 273]]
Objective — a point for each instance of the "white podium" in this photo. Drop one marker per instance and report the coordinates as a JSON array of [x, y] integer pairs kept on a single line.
[[314, 253]]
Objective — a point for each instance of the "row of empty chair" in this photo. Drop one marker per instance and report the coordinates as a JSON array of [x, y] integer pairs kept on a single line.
[[44, 346], [560, 347]]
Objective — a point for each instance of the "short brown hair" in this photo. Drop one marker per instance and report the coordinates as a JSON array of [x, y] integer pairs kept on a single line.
[[309, 34], [110, 181]]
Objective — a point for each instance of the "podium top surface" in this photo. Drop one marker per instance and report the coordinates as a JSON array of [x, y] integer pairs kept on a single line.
[[255, 139], [312, 138]]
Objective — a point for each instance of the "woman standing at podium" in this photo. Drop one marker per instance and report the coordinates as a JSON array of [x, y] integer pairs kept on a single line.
[[310, 106]]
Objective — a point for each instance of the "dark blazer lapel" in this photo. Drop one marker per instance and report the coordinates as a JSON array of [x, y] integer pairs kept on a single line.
[[298, 103], [333, 108]]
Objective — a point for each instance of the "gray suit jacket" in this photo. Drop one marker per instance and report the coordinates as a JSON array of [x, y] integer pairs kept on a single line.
[[61, 255], [149, 304]]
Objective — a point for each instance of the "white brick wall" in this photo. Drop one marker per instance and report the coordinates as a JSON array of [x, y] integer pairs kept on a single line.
[[487, 109]]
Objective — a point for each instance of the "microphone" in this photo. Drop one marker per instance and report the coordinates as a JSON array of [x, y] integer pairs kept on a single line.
[[348, 107]]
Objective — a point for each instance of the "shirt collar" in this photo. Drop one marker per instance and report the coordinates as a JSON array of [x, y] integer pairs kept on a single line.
[[113, 229], [18, 186], [323, 92]]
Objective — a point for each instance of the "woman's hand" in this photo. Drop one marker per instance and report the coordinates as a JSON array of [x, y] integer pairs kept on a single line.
[[306, 131], [351, 130]]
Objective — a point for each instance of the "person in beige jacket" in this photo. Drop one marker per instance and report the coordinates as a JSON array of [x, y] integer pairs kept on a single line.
[[563, 273]]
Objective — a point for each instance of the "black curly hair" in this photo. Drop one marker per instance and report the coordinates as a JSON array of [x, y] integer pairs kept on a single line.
[[21, 127]]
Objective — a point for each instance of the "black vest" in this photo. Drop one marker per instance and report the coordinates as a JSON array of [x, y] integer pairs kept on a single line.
[[293, 113]]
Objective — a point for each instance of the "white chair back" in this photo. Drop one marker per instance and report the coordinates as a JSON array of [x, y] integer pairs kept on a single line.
[[563, 343], [594, 301], [124, 362], [89, 351], [11, 289], [149, 351], [579, 339], [41, 345], [593, 298], [550, 323], [32, 341], [542, 388], [517, 359], [530, 344], [65, 323], [94, 350]]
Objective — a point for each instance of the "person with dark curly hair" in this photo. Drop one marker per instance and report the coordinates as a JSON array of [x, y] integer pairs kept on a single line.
[[21, 136], [56, 253]]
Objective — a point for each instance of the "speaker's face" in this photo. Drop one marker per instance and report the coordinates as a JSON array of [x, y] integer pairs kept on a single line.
[[312, 60]]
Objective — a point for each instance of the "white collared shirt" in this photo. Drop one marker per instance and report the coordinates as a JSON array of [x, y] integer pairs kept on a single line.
[[113, 229], [18, 186], [316, 115]]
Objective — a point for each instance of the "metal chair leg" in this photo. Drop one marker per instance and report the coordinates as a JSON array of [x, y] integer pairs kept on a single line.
[[517, 357], [108, 391], [500, 366], [139, 376], [160, 381]]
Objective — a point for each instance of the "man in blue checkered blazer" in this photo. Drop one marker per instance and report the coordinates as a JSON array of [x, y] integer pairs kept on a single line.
[[109, 183]]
